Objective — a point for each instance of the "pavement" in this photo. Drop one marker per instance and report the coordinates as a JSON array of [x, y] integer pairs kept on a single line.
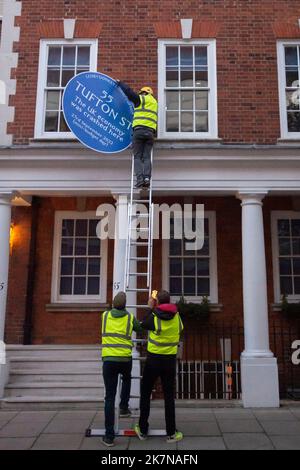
[[203, 429]]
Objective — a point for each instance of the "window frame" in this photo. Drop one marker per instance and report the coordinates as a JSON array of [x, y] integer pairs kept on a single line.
[[285, 134], [55, 284], [212, 95], [39, 132], [275, 216], [213, 267]]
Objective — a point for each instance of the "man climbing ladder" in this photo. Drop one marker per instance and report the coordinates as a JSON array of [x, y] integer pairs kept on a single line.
[[144, 130]]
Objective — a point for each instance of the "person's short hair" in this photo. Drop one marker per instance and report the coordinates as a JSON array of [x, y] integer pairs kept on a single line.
[[163, 297], [119, 301]]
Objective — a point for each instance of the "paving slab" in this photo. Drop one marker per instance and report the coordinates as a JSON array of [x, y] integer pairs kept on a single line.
[[152, 443], [69, 426], [286, 442], [6, 416], [58, 442], [197, 415], [274, 428], [94, 443], [234, 414], [295, 412], [81, 414], [201, 443], [239, 426], [16, 443], [274, 415], [202, 428], [33, 416], [22, 429], [247, 441]]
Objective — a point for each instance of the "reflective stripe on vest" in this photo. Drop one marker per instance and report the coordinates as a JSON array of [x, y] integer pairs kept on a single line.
[[146, 113], [165, 338], [116, 335]]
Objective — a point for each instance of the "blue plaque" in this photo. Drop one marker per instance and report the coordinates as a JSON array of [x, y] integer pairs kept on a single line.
[[97, 112]]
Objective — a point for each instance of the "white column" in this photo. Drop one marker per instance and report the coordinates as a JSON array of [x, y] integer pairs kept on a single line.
[[258, 365], [5, 221], [119, 281]]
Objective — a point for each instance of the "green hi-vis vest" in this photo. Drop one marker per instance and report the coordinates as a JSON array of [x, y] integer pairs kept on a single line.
[[165, 338], [146, 113], [116, 335]]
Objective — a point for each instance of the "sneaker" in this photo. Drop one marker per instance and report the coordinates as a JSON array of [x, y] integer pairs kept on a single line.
[[139, 184], [175, 437], [107, 441], [146, 183], [125, 413], [138, 432]]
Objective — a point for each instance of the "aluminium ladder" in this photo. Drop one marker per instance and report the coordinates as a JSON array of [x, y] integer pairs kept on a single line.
[[135, 276], [139, 224]]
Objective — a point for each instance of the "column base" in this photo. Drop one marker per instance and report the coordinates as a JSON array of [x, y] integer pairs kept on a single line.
[[4, 375], [260, 385]]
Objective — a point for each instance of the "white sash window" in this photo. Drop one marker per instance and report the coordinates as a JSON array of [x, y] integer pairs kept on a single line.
[[59, 62]]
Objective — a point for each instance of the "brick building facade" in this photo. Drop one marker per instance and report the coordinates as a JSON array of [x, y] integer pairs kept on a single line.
[[226, 74]]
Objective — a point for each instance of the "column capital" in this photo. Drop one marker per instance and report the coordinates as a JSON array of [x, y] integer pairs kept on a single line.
[[251, 197], [6, 197], [118, 196]]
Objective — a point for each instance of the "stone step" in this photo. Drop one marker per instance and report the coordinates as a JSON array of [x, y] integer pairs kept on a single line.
[[59, 364], [54, 352], [36, 375], [36, 403], [55, 389]]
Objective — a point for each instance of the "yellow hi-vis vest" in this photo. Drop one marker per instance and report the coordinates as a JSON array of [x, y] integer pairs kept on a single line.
[[165, 338], [116, 335], [146, 113]]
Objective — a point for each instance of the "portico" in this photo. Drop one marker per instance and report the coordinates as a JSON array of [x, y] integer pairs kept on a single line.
[[250, 175]]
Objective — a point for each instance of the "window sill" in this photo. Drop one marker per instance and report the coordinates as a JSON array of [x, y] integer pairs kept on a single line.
[[276, 306], [289, 141], [76, 307]]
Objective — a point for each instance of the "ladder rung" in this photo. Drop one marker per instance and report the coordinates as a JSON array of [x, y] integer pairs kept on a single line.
[[138, 258], [140, 200], [137, 306], [140, 244], [139, 215], [138, 274], [140, 229]]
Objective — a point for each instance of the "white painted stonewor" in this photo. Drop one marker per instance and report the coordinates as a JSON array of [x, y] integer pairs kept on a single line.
[[5, 221], [258, 366]]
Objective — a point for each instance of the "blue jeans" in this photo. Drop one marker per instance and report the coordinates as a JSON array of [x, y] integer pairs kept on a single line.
[[111, 371]]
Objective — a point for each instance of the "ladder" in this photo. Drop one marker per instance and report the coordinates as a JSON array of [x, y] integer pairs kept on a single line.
[[133, 247], [140, 224]]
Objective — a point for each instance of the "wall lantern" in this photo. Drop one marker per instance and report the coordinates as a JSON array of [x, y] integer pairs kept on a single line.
[[12, 236]]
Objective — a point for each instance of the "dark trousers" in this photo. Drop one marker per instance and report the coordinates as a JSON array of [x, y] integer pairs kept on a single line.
[[111, 370], [165, 368], [143, 139]]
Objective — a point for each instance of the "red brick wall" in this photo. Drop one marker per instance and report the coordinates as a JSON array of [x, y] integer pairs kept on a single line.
[[248, 109], [18, 271], [83, 328], [61, 327]]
